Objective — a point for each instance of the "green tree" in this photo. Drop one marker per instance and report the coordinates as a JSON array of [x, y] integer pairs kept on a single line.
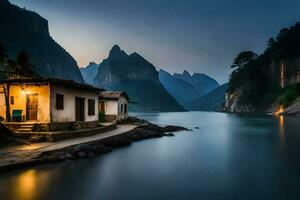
[[282, 33], [243, 59], [271, 42]]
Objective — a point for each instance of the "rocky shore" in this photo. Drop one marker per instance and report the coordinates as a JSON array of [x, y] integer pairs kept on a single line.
[[142, 132], [293, 110], [145, 130]]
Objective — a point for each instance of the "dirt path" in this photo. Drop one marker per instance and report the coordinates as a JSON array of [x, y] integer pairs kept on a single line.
[[22, 153]]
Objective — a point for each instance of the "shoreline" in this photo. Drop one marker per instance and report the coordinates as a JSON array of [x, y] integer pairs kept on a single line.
[[285, 114], [94, 148]]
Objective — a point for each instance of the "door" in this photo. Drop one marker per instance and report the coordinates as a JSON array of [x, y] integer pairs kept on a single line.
[[79, 109], [31, 107], [102, 106]]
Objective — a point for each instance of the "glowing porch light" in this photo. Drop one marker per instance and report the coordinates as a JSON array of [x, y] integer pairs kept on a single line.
[[280, 110]]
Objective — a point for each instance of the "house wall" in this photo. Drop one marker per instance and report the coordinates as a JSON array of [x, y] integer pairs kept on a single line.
[[113, 107], [2, 105], [68, 114], [20, 99], [122, 115]]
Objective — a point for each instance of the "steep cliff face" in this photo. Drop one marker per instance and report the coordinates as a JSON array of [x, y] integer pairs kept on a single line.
[[232, 103], [26, 30], [139, 78], [268, 80], [203, 83]]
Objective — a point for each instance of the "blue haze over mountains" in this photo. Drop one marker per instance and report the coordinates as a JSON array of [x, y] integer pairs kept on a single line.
[[135, 75], [150, 89]]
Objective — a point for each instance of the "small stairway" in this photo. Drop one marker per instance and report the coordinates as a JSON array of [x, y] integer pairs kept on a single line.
[[25, 128]]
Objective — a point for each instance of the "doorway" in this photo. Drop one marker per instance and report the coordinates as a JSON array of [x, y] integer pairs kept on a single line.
[[31, 107], [102, 106], [79, 108]]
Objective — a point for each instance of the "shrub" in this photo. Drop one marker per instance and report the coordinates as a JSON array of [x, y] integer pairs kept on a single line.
[[290, 94], [101, 115]]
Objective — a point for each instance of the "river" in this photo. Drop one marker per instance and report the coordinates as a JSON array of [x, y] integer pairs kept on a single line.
[[228, 156]]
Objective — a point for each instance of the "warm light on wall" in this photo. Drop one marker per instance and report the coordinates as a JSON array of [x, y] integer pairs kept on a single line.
[[23, 91]]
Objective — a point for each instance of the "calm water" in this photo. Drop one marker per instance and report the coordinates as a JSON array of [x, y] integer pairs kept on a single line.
[[229, 157]]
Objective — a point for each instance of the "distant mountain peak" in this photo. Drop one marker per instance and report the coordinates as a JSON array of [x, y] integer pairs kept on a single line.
[[186, 73], [116, 48], [116, 52]]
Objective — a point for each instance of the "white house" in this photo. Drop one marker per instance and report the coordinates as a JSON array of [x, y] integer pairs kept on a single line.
[[114, 104], [49, 101]]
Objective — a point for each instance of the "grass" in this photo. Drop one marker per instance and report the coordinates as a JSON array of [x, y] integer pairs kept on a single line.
[[289, 95]]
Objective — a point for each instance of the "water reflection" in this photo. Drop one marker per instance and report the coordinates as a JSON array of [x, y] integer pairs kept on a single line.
[[228, 157], [281, 131], [26, 185], [281, 128]]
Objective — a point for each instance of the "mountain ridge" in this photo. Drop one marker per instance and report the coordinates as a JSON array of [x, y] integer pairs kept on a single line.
[[202, 82], [27, 30], [138, 77]]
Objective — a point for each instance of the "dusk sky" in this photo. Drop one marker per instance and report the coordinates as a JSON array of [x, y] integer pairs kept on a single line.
[[198, 35]]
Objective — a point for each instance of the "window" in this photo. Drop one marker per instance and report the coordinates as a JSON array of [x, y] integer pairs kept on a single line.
[[59, 101], [125, 108], [12, 100], [121, 108], [91, 107]]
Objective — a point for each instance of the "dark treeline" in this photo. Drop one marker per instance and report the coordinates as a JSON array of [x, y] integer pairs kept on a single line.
[[256, 77], [21, 66]]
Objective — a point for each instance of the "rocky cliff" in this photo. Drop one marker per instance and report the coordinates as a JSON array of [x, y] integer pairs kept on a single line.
[[25, 30], [139, 78], [232, 103], [269, 80]]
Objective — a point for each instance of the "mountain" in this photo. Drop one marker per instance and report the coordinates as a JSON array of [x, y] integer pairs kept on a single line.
[[25, 30], [182, 91], [89, 72], [139, 78], [213, 101], [203, 83]]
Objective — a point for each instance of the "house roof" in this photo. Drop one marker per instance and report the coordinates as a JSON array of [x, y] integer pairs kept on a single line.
[[113, 95], [65, 83]]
